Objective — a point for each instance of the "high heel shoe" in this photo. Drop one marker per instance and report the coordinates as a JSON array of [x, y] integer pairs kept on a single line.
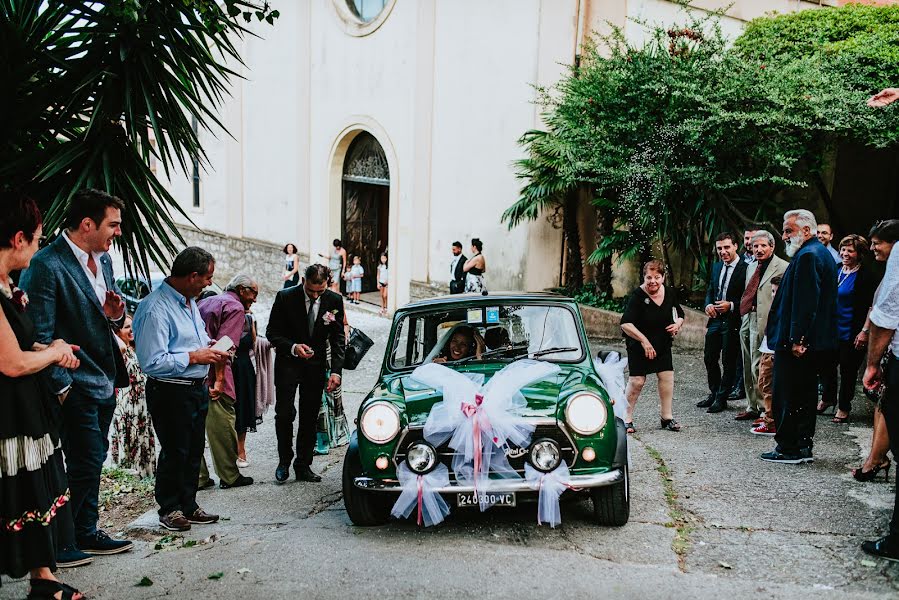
[[861, 475]]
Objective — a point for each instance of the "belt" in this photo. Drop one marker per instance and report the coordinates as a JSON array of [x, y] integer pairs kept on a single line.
[[179, 380]]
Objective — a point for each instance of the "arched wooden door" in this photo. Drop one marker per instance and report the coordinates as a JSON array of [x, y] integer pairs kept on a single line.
[[366, 205]]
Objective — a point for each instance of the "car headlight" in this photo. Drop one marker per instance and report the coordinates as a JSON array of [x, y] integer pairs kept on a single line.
[[545, 455], [422, 457], [380, 422], [585, 413]]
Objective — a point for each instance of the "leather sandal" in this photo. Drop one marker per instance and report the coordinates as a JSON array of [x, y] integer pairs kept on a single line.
[[670, 425], [46, 589], [629, 427]]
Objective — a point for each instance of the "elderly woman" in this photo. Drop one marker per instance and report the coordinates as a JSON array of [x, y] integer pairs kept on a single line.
[[652, 319], [855, 292], [32, 479], [883, 239]]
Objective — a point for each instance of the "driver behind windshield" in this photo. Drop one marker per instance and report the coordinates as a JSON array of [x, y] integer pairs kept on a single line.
[[463, 343]]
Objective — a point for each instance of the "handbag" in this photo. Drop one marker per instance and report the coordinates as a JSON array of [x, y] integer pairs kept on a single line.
[[356, 347]]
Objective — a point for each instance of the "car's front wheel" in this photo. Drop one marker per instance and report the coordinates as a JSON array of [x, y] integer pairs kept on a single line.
[[364, 508], [612, 503]]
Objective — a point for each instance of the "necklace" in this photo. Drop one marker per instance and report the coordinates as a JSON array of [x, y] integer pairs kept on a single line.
[[843, 275]]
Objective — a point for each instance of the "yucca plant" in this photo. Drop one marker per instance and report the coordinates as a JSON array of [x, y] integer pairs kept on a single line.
[[93, 91]]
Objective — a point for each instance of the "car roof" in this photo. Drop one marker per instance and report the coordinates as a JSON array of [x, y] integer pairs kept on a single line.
[[491, 298]]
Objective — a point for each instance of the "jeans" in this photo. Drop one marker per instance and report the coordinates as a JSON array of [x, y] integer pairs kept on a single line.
[[722, 343], [85, 442], [179, 418], [795, 397]]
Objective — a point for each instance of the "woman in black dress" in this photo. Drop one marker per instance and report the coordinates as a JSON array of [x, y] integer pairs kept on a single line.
[[652, 318], [32, 481], [245, 389]]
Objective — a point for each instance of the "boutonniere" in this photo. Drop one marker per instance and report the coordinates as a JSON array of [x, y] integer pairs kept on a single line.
[[329, 317], [645, 300]]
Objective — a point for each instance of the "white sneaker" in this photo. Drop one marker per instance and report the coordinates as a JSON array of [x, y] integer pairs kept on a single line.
[[242, 464]]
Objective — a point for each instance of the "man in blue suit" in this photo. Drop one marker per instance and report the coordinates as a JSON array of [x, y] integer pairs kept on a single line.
[[74, 297], [802, 331], [722, 337]]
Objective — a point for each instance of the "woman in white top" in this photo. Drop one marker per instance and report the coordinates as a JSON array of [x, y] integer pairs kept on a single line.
[[382, 283], [474, 269], [337, 262]]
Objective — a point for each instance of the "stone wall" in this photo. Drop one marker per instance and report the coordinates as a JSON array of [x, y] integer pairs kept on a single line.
[[421, 290], [262, 260]]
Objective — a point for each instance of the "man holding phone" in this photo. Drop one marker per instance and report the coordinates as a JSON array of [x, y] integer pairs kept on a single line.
[[303, 320], [726, 284], [225, 315], [174, 352]]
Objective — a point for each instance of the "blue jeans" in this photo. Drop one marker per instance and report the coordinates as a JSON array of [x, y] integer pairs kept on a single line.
[[85, 441]]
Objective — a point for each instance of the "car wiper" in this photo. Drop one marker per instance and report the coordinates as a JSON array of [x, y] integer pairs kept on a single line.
[[546, 351], [488, 353]]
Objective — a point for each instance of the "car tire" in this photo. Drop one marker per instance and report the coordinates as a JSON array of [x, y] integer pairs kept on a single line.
[[364, 508], [612, 503]]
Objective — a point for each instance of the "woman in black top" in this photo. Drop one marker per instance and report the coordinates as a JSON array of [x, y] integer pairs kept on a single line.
[[32, 479], [652, 318]]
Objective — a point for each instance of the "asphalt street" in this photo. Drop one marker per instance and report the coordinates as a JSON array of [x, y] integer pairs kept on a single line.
[[708, 520]]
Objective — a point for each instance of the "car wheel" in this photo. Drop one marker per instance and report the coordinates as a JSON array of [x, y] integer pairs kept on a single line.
[[612, 503], [364, 508]]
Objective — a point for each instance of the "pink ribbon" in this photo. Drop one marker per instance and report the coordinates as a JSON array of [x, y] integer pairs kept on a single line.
[[420, 494], [471, 411]]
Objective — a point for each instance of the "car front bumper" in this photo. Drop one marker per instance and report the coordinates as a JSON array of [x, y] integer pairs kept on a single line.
[[496, 485]]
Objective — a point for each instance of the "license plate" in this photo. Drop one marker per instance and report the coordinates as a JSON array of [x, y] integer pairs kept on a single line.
[[467, 499]]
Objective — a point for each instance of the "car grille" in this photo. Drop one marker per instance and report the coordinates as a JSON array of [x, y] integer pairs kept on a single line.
[[516, 459]]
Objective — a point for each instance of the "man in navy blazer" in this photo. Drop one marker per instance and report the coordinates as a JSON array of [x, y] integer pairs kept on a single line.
[[802, 331], [74, 297], [722, 337]]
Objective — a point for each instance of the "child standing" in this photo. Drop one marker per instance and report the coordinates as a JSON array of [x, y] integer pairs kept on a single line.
[[355, 279], [382, 283]]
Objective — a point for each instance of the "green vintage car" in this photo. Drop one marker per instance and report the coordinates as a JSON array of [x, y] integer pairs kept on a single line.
[[571, 411]]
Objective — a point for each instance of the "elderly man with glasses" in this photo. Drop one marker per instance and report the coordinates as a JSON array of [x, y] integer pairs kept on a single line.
[[224, 315]]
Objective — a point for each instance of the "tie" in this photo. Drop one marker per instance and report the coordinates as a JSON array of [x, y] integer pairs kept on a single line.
[[722, 289], [310, 316], [747, 302]]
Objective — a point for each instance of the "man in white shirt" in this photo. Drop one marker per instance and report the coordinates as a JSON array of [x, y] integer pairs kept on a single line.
[[73, 297], [884, 335]]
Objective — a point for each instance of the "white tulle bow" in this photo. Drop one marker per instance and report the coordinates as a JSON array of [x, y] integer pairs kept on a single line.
[[479, 420], [419, 494], [611, 372], [550, 485]]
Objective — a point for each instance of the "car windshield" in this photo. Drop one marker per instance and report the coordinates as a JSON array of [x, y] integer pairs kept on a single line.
[[495, 333]]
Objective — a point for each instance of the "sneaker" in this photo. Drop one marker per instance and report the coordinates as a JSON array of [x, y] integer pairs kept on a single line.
[[101, 543], [759, 421], [175, 521], [786, 459], [70, 557], [201, 517], [763, 429], [882, 548], [241, 481]]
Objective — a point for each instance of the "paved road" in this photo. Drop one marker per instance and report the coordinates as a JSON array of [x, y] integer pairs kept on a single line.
[[708, 520]]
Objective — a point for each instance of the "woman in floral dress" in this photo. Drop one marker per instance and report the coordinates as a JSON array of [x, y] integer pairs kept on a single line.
[[133, 444]]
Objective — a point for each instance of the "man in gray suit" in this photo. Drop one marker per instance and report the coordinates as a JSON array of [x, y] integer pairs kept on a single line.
[[755, 305], [73, 296]]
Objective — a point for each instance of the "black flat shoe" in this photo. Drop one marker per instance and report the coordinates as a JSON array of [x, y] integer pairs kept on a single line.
[[707, 402], [282, 473], [241, 481], [717, 406], [307, 474], [882, 548]]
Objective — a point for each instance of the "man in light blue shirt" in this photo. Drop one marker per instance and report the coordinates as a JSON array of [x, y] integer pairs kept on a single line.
[[173, 350]]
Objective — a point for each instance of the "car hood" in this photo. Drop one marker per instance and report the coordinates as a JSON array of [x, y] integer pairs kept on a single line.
[[541, 397]]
